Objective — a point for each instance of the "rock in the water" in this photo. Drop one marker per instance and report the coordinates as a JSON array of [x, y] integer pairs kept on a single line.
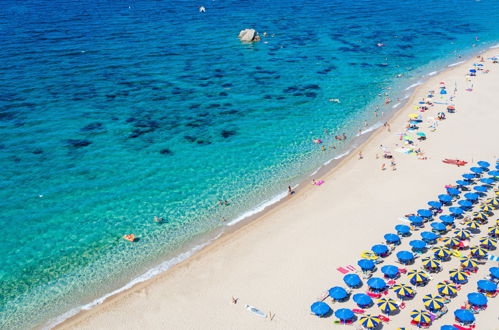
[[249, 35]]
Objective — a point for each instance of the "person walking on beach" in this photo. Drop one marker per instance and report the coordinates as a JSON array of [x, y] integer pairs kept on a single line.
[[290, 190], [360, 155]]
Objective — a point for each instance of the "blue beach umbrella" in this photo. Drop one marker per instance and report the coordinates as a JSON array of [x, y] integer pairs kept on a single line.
[[376, 283], [448, 327], [366, 264], [483, 164], [487, 180], [392, 238], [468, 176], [465, 203], [435, 205], [320, 308], [443, 92], [456, 210], [476, 170], [338, 293], [417, 244], [405, 256], [494, 272], [428, 236], [477, 299], [438, 226], [464, 315], [403, 229], [390, 271], [471, 196], [379, 249], [447, 219], [362, 299], [494, 173], [472, 70], [344, 314], [352, 280], [414, 219], [453, 191], [480, 188], [425, 213], [488, 286], [445, 198], [463, 182]]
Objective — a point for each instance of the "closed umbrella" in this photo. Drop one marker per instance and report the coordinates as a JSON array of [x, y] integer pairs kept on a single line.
[[362, 300], [320, 308], [352, 280], [447, 289], [477, 299], [464, 316]]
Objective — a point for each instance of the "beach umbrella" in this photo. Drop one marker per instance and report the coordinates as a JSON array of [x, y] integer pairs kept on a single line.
[[435, 205], [479, 215], [432, 302], [443, 92], [462, 233], [487, 180], [465, 203], [479, 252], [320, 308], [451, 107], [494, 173], [380, 249], [417, 276], [488, 242], [494, 272], [487, 208], [468, 262], [471, 196], [456, 210], [366, 264], [428, 236], [453, 191], [376, 283], [390, 271], [392, 239], [472, 224], [413, 115], [448, 327], [344, 314], [405, 256], [369, 321], [338, 293], [480, 189], [417, 244], [445, 198], [362, 299], [487, 286], [468, 176], [402, 229], [483, 164], [463, 183], [476, 170], [352, 280], [493, 231], [441, 252], [387, 305], [493, 201], [438, 226], [464, 316], [403, 290], [415, 220], [420, 134], [447, 219], [425, 213], [420, 316], [477, 299], [447, 289], [451, 241], [431, 263], [458, 276], [472, 71]]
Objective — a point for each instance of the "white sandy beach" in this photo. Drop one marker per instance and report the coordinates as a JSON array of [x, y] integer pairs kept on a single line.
[[284, 261]]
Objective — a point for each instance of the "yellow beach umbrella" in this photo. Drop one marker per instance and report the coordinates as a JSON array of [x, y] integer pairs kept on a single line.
[[469, 262], [494, 231], [441, 252], [487, 208], [430, 262], [488, 242], [458, 276], [493, 201], [403, 290], [451, 241], [462, 233], [447, 288], [369, 321], [479, 215], [414, 115], [472, 224], [420, 316], [432, 302], [479, 252], [417, 276], [387, 305]]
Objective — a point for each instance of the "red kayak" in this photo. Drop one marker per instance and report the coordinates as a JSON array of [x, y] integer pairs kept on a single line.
[[455, 162]]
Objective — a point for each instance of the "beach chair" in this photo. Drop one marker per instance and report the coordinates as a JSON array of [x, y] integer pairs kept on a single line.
[[383, 318], [460, 327], [402, 270], [373, 295], [358, 311]]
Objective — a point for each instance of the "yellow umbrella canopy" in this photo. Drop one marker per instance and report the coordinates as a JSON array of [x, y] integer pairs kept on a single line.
[[493, 201], [472, 224], [462, 233], [488, 242], [369, 321], [420, 316], [469, 262], [479, 215], [494, 231], [479, 251], [430, 262], [441, 252], [447, 288], [458, 276], [417, 276], [403, 290], [451, 241], [433, 302], [387, 305], [487, 208], [413, 115]]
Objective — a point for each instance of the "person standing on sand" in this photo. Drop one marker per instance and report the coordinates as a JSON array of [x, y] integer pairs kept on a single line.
[[360, 155], [290, 190]]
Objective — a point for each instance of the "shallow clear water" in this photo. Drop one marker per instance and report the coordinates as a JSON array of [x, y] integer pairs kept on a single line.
[[114, 112]]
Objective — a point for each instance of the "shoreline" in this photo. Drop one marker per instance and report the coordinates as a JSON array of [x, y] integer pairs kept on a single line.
[[326, 171]]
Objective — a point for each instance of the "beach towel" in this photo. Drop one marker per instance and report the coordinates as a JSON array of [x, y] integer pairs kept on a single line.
[[351, 268], [493, 258], [342, 270]]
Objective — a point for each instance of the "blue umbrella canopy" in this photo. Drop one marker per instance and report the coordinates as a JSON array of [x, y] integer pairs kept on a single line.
[[468, 176], [429, 236], [338, 293], [402, 229], [425, 213], [344, 314], [494, 272], [463, 183], [480, 188], [483, 164], [435, 205], [453, 191], [445, 198], [471, 196], [472, 70], [456, 210], [376, 283], [438, 226], [476, 170], [487, 180], [390, 270], [392, 238], [352, 280], [448, 327], [488, 286], [447, 219], [362, 299], [477, 299], [366, 264], [320, 308], [443, 91], [494, 173], [465, 203], [415, 219], [379, 249], [417, 244], [405, 256], [464, 315]]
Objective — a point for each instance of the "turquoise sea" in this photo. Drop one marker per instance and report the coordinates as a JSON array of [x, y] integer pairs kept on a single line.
[[113, 112]]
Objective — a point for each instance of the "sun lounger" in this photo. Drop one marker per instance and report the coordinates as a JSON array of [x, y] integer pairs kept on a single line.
[[358, 311], [384, 318], [471, 327], [373, 295]]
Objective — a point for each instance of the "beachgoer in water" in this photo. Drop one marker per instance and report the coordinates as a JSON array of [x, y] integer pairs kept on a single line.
[[323, 148], [290, 190], [360, 155], [344, 136], [365, 123], [158, 220], [226, 202]]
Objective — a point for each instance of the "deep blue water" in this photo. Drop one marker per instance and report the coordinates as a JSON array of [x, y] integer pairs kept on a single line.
[[114, 112]]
